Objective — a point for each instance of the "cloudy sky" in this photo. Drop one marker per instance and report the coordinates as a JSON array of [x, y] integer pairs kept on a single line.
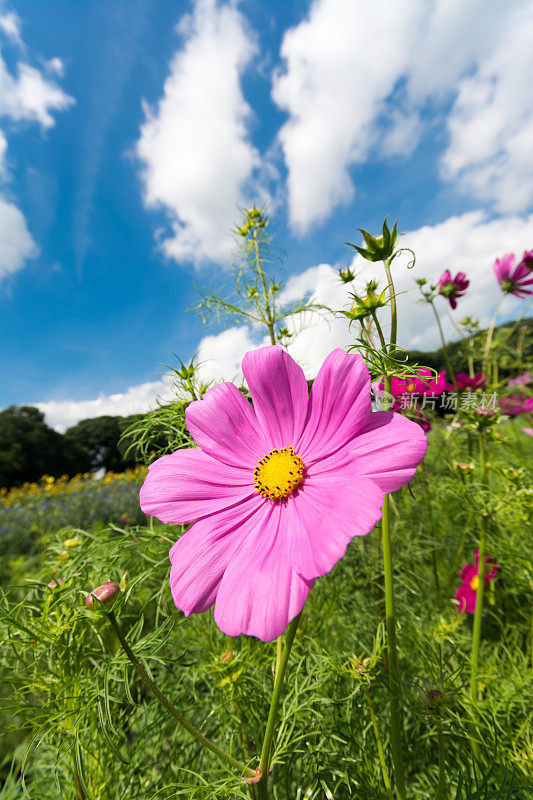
[[133, 131]]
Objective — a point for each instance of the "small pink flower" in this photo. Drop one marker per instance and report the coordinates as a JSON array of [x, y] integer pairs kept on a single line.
[[277, 489], [521, 380], [518, 404], [466, 594], [466, 383], [453, 288], [513, 279], [528, 431], [527, 260]]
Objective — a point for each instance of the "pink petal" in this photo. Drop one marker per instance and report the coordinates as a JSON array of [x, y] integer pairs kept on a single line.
[[201, 556], [279, 393], [467, 599], [389, 449], [189, 484], [468, 572], [225, 426], [260, 592], [330, 509], [339, 406]]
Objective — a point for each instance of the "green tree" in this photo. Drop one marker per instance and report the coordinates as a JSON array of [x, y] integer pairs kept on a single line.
[[99, 438], [29, 448]]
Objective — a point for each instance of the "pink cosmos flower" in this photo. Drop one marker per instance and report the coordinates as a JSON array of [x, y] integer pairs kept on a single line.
[[521, 380], [513, 279], [466, 594], [467, 384], [518, 404], [453, 288], [425, 384], [527, 260], [277, 489]]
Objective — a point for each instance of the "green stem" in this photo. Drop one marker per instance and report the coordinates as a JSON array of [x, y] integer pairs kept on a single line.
[[442, 764], [393, 309], [488, 343], [432, 535], [390, 625], [390, 619], [276, 693], [80, 794], [259, 267], [200, 738], [444, 348], [517, 323], [459, 555], [379, 745], [476, 634]]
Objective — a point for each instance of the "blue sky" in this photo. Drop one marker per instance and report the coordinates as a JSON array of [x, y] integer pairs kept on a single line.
[[132, 132]]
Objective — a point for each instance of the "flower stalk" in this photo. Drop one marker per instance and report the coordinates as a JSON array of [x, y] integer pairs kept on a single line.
[[390, 618], [264, 763], [444, 348], [476, 633], [200, 738], [379, 745], [441, 786]]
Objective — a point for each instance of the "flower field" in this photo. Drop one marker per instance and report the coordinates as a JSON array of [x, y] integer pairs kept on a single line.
[[329, 595]]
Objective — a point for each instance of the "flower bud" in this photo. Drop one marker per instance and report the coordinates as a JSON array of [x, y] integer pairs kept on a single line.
[[378, 248], [105, 595], [346, 275]]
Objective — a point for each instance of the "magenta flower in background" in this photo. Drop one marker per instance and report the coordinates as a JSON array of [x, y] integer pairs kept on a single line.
[[513, 279], [467, 384], [518, 404], [425, 383], [521, 380], [527, 260], [422, 420], [466, 594], [276, 490], [453, 288]]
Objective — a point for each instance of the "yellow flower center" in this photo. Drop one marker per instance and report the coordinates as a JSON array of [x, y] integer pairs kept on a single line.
[[410, 387], [474, 583], [278, 473]]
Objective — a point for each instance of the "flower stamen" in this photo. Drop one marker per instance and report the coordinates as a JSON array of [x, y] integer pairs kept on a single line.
[[278, 473]]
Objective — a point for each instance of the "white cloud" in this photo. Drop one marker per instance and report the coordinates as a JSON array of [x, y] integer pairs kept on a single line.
[[220, 355], [358, 77], [10, 26], [16, 243], [3, 152], [62, 414], [491, 122], [194, 147], [332, 95], [29, 96], [56, 66]]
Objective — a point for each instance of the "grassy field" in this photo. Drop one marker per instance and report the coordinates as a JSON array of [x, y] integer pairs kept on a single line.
[[78, 723]]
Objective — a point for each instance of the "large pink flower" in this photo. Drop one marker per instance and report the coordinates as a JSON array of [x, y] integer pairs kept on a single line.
[[513, 279], [276, 490], [466, 594], [453, 288]]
